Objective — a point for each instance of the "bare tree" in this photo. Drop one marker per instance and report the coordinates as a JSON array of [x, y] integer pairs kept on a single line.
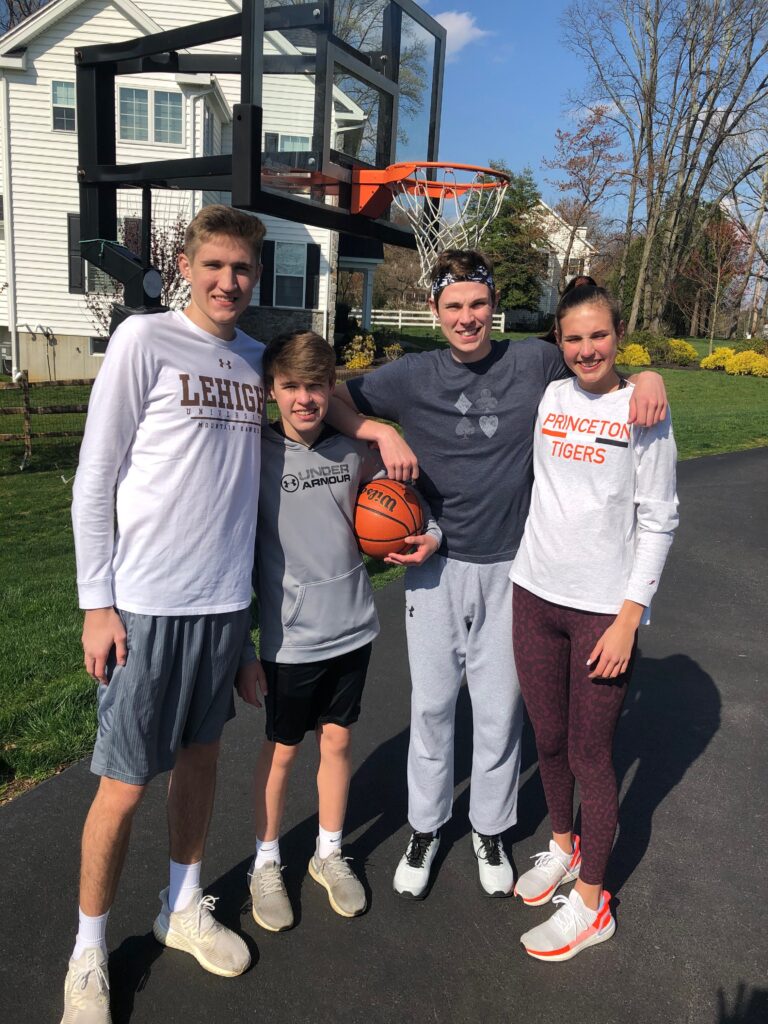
[[12, 12], [684, 78], [591, 169], [712, 270]]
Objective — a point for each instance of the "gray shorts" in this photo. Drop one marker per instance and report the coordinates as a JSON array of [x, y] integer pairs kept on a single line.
[[176, 688]]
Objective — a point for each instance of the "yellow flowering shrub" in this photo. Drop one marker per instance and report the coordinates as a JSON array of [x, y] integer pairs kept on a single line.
[[633, 355], [718, 359], [358, 362], [682, 353], [747, 364], [360, 352], [393, 351]]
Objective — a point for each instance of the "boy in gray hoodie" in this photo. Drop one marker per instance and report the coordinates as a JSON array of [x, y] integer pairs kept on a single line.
[[317, 618]]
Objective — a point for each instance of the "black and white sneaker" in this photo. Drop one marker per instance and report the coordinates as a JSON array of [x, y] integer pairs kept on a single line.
[[412, 876], [496, 875]]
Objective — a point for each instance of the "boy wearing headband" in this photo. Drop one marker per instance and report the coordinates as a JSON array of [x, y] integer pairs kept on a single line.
[[468, 412]]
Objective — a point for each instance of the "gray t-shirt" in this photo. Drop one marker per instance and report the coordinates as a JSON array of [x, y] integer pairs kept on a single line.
[[471, 427]]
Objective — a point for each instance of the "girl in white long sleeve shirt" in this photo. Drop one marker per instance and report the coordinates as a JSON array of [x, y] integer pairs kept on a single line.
[[603, 511]]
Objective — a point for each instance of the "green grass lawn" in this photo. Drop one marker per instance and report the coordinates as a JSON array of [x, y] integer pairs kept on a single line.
[[46, 702], [47, 712]]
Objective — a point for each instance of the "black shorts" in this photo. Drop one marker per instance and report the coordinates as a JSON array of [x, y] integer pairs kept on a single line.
[[300, 697]]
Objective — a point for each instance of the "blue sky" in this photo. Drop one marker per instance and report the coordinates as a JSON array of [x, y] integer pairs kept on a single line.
[[506, 81]]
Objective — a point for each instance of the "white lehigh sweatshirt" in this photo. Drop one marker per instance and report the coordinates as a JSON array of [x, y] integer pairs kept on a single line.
[[604, 505], [168, 478]]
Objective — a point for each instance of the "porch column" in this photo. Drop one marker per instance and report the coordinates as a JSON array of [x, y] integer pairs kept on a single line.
[[367, 299]]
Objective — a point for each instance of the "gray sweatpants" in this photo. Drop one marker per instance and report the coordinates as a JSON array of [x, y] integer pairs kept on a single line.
[[459, 621]]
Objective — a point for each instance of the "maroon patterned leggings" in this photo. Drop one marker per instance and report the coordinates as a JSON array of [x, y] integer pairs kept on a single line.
[[574, 719]]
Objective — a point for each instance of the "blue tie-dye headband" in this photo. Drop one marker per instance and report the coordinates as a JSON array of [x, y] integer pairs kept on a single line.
[[480, 274]]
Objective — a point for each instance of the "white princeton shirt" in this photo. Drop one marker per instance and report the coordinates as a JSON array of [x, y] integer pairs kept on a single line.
[[603, 507], [168, 479]]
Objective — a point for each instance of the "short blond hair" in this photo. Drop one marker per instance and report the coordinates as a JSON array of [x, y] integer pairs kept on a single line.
[[299, 355], [223, 220]]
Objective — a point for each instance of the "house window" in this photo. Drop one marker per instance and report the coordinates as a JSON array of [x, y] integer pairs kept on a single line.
[[294, 143], [63, 97], [97, 346], [290, 275], [576, 265], [290, 263], [168, 127], [134, 115], [276, 142], [207, 130]]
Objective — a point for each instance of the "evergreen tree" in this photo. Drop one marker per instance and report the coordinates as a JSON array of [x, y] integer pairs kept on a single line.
[[517, 244]]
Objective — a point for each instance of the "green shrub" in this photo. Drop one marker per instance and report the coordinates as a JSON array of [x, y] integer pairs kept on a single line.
[[747, 364], [682, 353], [634, 355], [656, 345], [759, 345], [718, 359]]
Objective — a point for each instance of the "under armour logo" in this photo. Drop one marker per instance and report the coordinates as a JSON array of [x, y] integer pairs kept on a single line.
[[225, 362]]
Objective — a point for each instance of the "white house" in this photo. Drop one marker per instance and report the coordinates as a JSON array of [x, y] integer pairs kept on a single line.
[[45, 326], [558, 233]]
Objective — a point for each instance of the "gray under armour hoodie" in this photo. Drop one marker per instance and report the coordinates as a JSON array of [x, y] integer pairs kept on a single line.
[[315, 598]]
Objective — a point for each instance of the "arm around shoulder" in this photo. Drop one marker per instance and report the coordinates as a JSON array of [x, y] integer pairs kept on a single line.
[[648, 404], [397, 456]]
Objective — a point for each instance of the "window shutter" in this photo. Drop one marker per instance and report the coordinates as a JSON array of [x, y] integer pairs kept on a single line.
[[312, 288], [76, 275], [267, 282]]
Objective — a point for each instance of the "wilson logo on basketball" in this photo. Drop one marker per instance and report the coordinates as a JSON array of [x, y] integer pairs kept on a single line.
[[377, 497], [385, 514]]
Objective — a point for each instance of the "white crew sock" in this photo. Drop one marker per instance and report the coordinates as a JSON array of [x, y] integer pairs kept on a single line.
[[184, 880], [266, 852], [91, 933], [328, 842]]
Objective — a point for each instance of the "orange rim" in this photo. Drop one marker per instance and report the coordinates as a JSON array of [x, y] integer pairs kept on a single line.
[[374, 189]]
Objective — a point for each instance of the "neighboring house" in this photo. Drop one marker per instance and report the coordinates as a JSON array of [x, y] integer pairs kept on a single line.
[[43, 280], [558, 232]]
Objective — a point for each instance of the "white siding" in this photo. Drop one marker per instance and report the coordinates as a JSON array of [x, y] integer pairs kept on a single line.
[[44, 161]]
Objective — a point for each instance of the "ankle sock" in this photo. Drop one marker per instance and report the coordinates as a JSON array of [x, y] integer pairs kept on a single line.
[[91, 933], [328, 842], [184, 879], [266, 852]]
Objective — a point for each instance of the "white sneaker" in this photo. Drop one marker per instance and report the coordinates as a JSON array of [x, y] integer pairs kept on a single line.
[[552, 869], [195, 930], [271, 907], [496, 875], [412, 875], [86, 989], [570, 929]]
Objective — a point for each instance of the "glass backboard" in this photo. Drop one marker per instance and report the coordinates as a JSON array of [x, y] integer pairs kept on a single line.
[[343, 84]]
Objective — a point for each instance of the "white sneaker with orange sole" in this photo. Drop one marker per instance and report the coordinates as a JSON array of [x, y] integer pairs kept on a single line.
[[571, 928], [552, 869]]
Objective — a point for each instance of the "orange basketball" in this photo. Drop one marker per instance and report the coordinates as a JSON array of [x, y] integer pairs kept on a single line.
[[386, 513]]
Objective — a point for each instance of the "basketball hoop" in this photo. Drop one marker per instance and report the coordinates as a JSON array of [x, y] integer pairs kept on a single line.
[[448, 206]]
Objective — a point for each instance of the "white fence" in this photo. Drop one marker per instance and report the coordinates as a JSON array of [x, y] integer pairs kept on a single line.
[[401, 318]]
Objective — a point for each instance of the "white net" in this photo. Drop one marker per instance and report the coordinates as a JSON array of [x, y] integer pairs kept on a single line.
[[450, 213]]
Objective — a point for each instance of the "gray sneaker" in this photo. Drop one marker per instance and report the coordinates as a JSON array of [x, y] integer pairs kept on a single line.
[[86, 990], [271, 906], [345, 892], [195, 930]]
